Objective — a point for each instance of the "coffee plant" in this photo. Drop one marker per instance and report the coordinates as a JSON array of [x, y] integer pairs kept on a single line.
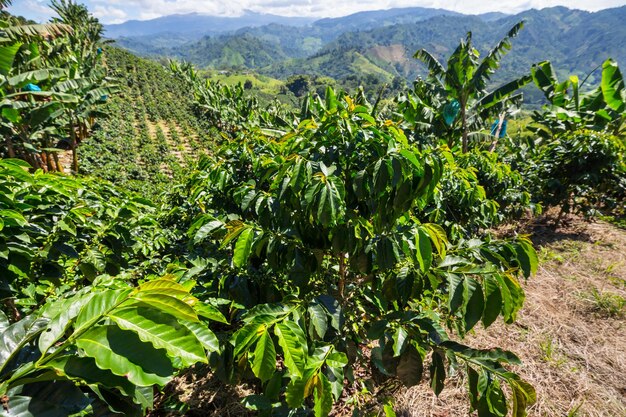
[[322, 234]]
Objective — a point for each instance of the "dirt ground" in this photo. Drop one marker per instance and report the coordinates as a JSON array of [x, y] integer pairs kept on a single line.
[[570, 335]]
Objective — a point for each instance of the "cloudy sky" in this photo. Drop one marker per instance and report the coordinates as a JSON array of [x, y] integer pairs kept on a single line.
[[117, 11]]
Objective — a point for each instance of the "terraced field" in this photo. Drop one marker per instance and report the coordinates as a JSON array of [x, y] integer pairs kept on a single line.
[[149, 131]]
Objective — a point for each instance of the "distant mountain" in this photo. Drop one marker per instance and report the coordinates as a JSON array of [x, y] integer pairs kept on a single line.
[[381, 44], [198, 24], [331, 27]]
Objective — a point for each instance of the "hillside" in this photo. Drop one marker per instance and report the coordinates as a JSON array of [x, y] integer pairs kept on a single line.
[[149, 132], [383, 43]]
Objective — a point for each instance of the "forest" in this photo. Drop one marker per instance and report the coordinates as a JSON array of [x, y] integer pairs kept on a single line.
[[160, 229]]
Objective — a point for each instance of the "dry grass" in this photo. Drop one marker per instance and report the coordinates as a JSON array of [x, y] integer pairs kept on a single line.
[[570, 335], [198, 392]]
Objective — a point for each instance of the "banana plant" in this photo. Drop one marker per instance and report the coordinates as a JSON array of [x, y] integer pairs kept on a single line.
[[52, 80], [455, 100], [570, 109]]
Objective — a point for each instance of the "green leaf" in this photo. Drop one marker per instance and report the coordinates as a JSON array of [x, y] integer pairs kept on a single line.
[[162, 331], [60, 323], [438, 237], [495, 354], [17, 335], [7, 56], [399, 340], [527, 258], [475, 303], [331, 99], [247, 335], [322, 396], [410, 367], [493, 301], [437, 372], [13, 218], [210, 312], [204, 335], [523, 396], [455, 292], [52, 399], [264, 359], [98, 306], [296, 391], [243, 248], [167, 304], [124, 354], [318, 320], [424, 250], [612, 85], [257, 403], [206, 230], [292, 340], [85, 369]]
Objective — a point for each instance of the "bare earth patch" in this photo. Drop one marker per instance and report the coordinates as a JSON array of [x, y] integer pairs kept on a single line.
[[570, 335]]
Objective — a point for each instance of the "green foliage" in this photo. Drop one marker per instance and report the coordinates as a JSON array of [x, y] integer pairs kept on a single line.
[[99, 350], [577, 161], [148, 133], [51, 84], [322, 231], [479, 191], [60, 233], [228, 108], [462, 83], [582, 171]]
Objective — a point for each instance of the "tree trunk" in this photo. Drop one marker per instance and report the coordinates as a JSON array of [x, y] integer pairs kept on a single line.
[[57, 162], [10, 149], [464, 127], [73, 146], [43, 157]]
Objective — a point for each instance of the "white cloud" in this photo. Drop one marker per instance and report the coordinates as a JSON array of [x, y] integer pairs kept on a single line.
[[108, 14], [343, 7], [117, 10]]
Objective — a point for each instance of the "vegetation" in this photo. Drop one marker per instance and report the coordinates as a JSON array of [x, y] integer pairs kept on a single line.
[[305, 247], [148, 133], [381, 44], [52, 82]]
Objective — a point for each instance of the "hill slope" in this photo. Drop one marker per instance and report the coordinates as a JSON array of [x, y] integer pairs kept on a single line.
[[149, 133], [575, 41], [196, 23]]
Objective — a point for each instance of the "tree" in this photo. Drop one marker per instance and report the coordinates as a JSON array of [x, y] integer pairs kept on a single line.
[[52, 81], [299, 85]]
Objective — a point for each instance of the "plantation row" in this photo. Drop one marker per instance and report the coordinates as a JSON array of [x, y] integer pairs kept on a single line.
[[148, 133], [301, 245]]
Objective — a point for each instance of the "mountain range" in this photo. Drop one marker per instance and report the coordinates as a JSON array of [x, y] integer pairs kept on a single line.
[[378, 44]]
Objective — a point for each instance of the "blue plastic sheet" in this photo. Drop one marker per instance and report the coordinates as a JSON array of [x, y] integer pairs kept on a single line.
[[31, 87], [451, 111], [494, 128]]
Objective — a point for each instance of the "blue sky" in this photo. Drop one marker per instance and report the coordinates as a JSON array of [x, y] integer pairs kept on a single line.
[[117, 11]]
